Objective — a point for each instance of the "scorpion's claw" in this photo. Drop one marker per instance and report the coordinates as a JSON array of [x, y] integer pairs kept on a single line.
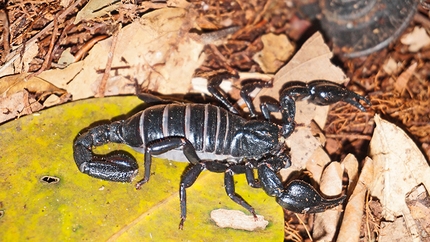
[[301, 197], [326, 93]]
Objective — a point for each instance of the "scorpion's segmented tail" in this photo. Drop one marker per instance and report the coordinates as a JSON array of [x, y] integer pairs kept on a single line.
[[112, 167]]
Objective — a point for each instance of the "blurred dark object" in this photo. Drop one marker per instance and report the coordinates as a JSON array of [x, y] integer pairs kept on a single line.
[[360, 27]]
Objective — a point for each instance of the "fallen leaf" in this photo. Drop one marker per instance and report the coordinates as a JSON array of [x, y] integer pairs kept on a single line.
[[157, 52], [394, 231], [303, 145], [66, 58], [96, 8], [399, 167], [16, 105], [276, 50], [20, 63], [16, 83], [417, 39], [352, 217], [417, 202], [326, 223], [235, 219], [78, 207]]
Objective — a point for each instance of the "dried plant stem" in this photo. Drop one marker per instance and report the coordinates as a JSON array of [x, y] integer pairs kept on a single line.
[[103, 82]]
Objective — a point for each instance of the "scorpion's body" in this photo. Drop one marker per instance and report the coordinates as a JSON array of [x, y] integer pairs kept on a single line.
[[212, 138], [214, 132]]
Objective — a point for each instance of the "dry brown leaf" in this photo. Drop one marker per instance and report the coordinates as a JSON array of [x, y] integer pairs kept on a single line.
[[416, 40], [20, 63], [156, 51], [351, 222], [17, 83], [394, 231], [276, 50], [236, 219], [303, 145], [418, 201], [316, 162], [16, 105], [326, 223], [399, 167], [96, 8]]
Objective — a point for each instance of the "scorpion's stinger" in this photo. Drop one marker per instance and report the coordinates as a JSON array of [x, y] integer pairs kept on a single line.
[[112, 167], [301, 197]]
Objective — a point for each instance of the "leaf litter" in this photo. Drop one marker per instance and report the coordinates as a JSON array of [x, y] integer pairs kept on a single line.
[[165, 57]]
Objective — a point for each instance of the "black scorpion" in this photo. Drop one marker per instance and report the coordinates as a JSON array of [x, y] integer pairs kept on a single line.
[[217, 140]]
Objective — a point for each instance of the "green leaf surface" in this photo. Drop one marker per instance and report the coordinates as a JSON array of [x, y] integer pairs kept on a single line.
[[79, 207]]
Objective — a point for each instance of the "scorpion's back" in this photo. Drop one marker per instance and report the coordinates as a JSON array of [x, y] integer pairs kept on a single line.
[[209, 128]]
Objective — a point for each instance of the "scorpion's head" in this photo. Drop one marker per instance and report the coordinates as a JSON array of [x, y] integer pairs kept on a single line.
[[255, 138]]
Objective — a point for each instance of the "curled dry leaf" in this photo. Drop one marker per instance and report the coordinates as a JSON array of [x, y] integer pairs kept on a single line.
[[236, 219], [16, 83], [351, 222], [399, 166], [326, 223]]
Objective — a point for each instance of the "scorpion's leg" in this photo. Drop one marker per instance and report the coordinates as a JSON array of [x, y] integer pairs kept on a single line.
[[192, 174], [229, 170], [319, 92], [187, 180], [298, 196], [162, 146], [218, 93], [269, 107], [247, 89], [112, 167], [249, 173]]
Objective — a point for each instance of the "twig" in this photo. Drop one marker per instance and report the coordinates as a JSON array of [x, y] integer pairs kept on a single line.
[[6, 33], [103, 82], [87, 46], [350, 136], [225, 62], [304, 225], [47, 63]]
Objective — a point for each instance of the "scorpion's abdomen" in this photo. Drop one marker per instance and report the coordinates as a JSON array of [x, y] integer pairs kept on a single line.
[[209, 128]]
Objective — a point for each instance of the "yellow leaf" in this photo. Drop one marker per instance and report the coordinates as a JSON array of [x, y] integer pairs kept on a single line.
[[79, 207]]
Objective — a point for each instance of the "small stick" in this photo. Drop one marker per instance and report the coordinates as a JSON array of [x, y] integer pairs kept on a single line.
[[103, 82]]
